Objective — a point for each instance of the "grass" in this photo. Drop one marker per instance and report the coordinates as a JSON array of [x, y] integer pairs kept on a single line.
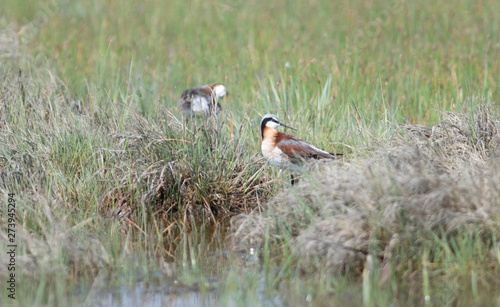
[[116, 191]]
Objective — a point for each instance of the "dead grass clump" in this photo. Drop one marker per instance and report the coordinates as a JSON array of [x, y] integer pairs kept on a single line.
[[173, 187], [339, 243], [458, 140], [424, 186], [57, 247], [197, 173]]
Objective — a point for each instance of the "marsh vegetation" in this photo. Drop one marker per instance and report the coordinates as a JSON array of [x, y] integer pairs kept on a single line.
[[120, 200]]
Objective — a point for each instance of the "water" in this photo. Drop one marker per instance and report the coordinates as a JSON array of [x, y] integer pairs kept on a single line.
[[208, 272]]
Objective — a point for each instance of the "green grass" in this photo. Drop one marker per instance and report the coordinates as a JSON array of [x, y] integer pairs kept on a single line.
[[108, 176]]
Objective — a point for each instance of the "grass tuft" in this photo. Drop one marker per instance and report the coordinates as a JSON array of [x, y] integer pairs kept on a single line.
[[432, 189]]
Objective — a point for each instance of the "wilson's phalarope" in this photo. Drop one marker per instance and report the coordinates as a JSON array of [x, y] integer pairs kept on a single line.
[[202, 100], [284, 150]]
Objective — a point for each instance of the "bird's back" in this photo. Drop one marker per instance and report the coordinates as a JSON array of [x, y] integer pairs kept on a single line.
[[199, 100], [204, 90], [295, 148]]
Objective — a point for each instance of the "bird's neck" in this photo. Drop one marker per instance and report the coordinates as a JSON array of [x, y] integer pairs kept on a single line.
[[269, 133]]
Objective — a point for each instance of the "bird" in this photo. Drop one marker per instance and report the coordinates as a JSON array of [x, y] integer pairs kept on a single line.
[[285, 151], [203, 100]]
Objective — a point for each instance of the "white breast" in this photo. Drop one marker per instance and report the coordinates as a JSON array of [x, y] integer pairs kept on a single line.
[[274, 155], [200, 105]]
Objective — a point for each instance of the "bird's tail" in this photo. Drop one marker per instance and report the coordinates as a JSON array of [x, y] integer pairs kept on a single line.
[[337, 155]]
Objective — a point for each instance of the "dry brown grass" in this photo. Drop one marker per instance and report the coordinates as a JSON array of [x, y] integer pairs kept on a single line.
[[122, 159], [42, 251], [9, 43], [426, 183], [72, 168], [220, 183]]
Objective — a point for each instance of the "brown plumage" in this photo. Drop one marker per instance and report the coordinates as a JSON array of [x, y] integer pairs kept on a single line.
[[294, 148], [284, 150]]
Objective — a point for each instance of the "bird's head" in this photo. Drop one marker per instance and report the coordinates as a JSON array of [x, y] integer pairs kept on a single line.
[[271, 121], [219, 91]]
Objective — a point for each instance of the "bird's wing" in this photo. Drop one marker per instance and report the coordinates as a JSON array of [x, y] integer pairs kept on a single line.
[[188, 95], [195, 91], [294, 147], [205, 91]]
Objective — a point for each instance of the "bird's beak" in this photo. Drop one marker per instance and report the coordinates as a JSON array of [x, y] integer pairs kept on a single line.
[[287, 126]]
